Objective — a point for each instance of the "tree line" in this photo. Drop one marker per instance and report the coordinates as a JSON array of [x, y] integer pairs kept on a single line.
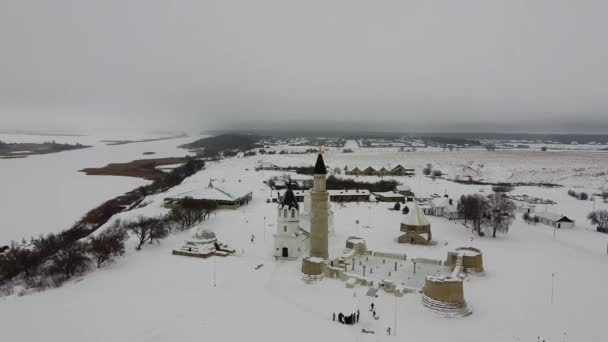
[[21, 258], [68, 260]]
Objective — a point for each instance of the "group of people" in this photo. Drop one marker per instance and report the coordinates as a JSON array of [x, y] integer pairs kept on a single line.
[[373, 311], [354, 318], [350, 319]]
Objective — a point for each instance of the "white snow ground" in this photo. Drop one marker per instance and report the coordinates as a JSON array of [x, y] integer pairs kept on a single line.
[[154, 296]]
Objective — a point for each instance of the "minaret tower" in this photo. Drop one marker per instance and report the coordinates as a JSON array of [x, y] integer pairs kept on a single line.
[[319, 198]]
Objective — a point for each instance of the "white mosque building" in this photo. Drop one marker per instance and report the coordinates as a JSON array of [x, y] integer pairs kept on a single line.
[[290, 239]]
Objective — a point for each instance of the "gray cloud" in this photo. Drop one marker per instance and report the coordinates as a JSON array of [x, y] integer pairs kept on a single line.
[[401, 65]]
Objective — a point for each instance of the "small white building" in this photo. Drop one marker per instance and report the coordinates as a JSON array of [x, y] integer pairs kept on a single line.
[[442, 206], [554, 220], [290, 240], [232, 197], [526, 208]]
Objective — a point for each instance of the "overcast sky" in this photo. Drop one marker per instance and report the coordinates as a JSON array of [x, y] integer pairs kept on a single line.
[[537, 66]]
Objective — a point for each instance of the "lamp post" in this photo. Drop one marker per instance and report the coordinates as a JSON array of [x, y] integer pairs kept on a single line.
[[552, 282], [395, 323]]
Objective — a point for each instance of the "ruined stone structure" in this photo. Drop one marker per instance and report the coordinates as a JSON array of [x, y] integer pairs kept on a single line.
[[472, 261], [313, 268], [445, 294]]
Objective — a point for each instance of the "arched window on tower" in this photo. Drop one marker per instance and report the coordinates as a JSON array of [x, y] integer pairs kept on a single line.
[[293, 213]]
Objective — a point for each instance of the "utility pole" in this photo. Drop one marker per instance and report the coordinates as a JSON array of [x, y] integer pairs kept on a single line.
[[213, 271], [552, 281], [395, 324]]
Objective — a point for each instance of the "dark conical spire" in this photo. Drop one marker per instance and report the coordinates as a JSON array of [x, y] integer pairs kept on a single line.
[[320, 165], [289, 200]]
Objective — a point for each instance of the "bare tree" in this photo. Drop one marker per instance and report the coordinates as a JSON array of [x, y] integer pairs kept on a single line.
[[70, 260], [147, 229], [191, 212], [600, 219], [16, 259], [473, 207], [427, 170], [501, 213], [108, 244]]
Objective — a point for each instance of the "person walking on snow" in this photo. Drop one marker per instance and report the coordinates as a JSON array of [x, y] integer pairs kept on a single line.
[[252, 237], [372, 309], [388, 331]]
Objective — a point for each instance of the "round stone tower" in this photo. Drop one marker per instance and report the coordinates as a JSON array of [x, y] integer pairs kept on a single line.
[[319, 198]]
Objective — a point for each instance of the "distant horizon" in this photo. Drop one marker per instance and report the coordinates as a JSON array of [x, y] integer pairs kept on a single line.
[[296, 131]]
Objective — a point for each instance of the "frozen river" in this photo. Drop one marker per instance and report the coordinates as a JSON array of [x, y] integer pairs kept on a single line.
[[46, 193]]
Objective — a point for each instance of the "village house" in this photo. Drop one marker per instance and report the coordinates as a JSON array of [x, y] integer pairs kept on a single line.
[[266, 166], [405, 190], [389, 196], [401, 171], [554, 220], [526, 208], [442, 206], [352, 195], [224, 199], [355, 171], [398, 170], [370, 171]]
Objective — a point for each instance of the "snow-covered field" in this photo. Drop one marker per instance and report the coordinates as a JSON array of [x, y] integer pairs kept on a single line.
[[154, 296]]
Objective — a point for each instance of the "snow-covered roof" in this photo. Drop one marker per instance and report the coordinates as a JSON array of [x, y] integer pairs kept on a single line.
[[355, 239], [213, 193], [350, 192], [388, 194], [404, 187], [415, 216], [440, 202], [552, 216], [168, 167]]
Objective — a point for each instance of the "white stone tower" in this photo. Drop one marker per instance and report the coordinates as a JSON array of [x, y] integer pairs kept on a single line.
[[289, 239], [319, 198]]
